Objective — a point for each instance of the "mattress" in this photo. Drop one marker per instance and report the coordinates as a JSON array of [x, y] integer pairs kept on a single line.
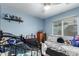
[[61, 47]]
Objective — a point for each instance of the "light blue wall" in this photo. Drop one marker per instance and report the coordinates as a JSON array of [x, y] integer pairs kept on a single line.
[[48, 22], [30, 24]]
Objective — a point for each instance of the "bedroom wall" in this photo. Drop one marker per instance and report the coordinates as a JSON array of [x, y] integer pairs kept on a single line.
[[48, 22], [30, 25]]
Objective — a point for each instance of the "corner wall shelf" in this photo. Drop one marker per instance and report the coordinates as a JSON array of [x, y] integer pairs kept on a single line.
[[12, 18], [17, 20]]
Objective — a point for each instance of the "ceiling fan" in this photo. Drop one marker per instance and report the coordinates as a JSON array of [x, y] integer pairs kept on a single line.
[[47, 6], [50, 4]]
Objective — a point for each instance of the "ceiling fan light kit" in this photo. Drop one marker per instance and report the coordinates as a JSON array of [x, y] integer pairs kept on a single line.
[[47, 6]]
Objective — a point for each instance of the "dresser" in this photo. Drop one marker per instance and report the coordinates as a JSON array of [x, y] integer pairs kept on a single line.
[[41, 37]]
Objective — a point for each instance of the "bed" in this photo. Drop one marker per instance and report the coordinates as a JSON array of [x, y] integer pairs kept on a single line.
[[65, 49]]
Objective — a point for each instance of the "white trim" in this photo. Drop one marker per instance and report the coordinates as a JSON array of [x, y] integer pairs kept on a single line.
[[62, 31], [52, 29], [77, 18]]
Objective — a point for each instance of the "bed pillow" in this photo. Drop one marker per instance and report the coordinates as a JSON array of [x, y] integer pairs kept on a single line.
[[60, 40], [52, 38]]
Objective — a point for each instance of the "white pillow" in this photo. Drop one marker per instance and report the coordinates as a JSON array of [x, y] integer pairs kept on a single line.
[[52, 38]]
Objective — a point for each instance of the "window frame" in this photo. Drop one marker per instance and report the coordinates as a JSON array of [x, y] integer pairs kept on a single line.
[[62, 23]]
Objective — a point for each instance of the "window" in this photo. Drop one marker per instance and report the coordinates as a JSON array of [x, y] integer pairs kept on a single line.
[[66, 27], [57, 28]]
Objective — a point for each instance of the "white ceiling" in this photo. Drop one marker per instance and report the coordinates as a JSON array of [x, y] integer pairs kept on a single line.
[[37, 10]]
